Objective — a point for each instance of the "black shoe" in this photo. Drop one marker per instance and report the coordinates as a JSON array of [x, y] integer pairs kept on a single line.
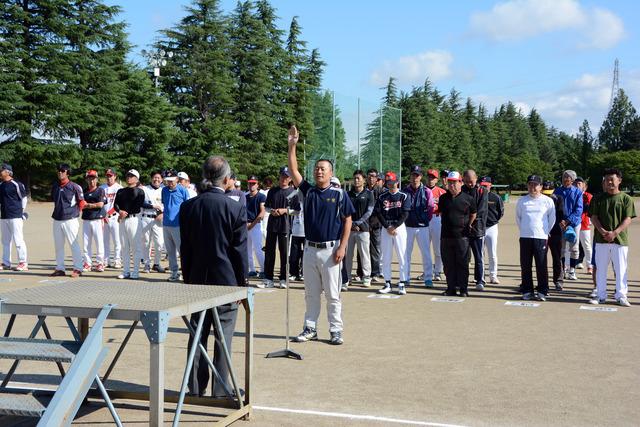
[[158, 268], [336, 338], [464, 293], [449, 293], [558, 286]]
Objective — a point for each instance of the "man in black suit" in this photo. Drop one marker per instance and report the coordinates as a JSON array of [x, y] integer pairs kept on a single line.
[[213, 251]]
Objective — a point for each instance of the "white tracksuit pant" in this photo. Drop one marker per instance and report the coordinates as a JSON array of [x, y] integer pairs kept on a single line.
[[172, 245], [112, 232], [12, 231], [491, 245], [421, 234], [617, 255], [321, 273], [435, 226], [254, 246], [151, 233], [586, 242], [131, 237], [399, 244], [67, 231], [92, 230], [361, 240]]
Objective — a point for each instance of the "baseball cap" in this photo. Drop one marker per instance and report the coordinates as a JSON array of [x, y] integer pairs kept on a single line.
[[170, 175], [6, 167], [380, 176], [232, 176], [547, 185], [578, 179], [454, 176], [534, 178], [415, 169], [334, 181], [434, 173], [253, 179], [133, 172], [91, 173], [237, 184], [110, 172], [390, 177], [285, 171], [485, 180], [64, 167], [444, 173], [183, 175]]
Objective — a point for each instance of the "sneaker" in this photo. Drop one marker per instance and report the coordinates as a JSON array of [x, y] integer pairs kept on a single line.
[[134, 276], [401, 289], [479, 287], [86, 267], [385, 289], [283, 284], [590, 270], [437, 277], [266, 284], [99, 268], [428, 283], [158, 268], [307, 334], [566, 274], [76, 273], [336, 338], [494, 280], [593, 294], [118, 264], [377, 279], [253, 274], [300, 278], [57, 273], [5, 267], [124, 276], [558, 286], [366, 282], [527, 296], [420, 277], [344, 287], [597, 301], [580, 266], [624, 302], [541, 297], [261, 275], [22, 267], [174, 277], [356, 279], [147, 269], [572, 276], [111, 265]]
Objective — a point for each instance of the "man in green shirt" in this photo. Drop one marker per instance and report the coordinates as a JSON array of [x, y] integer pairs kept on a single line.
[[611, 213]]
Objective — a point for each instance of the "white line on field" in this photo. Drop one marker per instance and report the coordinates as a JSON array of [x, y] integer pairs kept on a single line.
[[354, 416]]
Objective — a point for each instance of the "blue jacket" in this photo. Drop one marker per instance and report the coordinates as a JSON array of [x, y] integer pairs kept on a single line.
[[422, 204], [572, 197]]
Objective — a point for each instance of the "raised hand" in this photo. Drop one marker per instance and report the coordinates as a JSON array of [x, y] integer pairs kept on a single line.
[[293, 135]]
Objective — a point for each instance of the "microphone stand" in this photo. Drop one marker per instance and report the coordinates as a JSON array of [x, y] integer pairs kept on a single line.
[[287, 352]]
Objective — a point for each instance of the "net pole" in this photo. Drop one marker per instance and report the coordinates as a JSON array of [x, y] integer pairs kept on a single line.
[[358, 132], [381, 138], [400, 160]]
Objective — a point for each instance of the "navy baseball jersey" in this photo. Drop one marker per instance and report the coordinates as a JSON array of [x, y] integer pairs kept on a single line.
[[12, 194], [253, 205], [324, 212], [392, 209], [96, 196], [66, 201]]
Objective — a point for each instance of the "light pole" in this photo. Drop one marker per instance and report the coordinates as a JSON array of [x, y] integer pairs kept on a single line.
[[157, 60]]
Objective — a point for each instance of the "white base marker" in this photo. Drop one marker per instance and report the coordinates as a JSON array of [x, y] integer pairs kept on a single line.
[[263, 291], [52, 281], [354, 416], [522, 304], [384, 296], [597, 308], [447, 299]]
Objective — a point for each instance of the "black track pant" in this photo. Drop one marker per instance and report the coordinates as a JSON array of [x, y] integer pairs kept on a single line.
[[531, 249], [270, 254], [455, 259]]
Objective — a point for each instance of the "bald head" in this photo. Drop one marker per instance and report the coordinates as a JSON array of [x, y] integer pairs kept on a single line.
[[470, 178]]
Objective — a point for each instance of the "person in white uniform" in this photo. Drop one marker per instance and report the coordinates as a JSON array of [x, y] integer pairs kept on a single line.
[[151, 223], [111, 232]]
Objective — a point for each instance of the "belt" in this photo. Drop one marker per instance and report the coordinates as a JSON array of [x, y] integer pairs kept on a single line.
[[132, 216], [112, 215], [149, 216], [321, 245]]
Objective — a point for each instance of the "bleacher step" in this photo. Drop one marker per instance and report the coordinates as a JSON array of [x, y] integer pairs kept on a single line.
[[19, 404], [38, 349]]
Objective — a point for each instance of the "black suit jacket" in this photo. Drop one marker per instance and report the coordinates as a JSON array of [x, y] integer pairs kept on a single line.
[[213, 240]]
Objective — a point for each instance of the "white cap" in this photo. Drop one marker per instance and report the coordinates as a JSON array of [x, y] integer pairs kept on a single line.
[[334, 181], [454, 176], [183, 175], [134, 173], [237, 184]]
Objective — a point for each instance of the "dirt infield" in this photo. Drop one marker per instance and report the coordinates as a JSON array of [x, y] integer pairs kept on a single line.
[[409, 360]]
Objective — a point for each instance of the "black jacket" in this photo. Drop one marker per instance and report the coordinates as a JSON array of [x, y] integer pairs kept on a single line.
[[213, 240], [495, 210], [481, 197]]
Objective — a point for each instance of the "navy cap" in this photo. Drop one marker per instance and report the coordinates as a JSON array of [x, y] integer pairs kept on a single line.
[[64, 167], [381, 176], [578, 179], [534, 178], [285, 171], [547, 185], [416, 170], [6, 167], [485, 180]]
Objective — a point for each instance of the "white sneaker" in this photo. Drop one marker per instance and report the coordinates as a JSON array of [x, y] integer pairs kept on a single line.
[[385, 289], [283, 284], [580, 266], [124, 276], [494, 280], [118, 264], [366, 282], [344, 287], [266, 284], [597, 301], [401, 289], [624, 302], [572, 276], [593, 294], [437, 277], [479, 287], [420, 277]]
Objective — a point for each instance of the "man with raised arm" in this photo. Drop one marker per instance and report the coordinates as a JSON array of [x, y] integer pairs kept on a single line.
[[327, 226]]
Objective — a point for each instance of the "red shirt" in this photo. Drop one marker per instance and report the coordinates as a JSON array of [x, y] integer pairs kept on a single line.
[[437, 192], [586, 221]]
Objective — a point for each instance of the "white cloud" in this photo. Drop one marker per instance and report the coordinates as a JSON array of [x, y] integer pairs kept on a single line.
[[516, 20], [414, 69]]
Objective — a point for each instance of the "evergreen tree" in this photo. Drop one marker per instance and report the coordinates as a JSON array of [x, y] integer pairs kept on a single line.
[[585, 139], [621, 114]]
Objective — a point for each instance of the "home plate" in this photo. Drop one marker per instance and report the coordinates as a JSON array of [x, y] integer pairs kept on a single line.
[[441, 299], [596, 308], [381, 296], [522, 303]]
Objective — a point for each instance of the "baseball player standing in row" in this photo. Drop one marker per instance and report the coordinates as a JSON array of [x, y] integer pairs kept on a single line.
[[93, 215], [421, 204], [392, 209], [363, 203], [255, 213], [327, 226], [111, 224], [173, 195], [151, 223], [128, 204], [477, 230], [68, 201], [495, 211], [435, 225], [13, 201]]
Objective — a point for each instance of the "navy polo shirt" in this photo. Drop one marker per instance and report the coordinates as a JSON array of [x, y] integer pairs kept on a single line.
[[11, 194], [324, 211], [253, 205], [66, 200]]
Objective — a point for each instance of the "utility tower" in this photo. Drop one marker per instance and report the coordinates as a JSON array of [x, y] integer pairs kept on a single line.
[[615, 85]]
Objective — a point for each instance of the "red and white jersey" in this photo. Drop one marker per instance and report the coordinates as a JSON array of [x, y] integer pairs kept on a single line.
[[110, 192]]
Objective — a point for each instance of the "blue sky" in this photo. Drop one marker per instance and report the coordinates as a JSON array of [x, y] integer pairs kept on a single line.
[[553, 55]]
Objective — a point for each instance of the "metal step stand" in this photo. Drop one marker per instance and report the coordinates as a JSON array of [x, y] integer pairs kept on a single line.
[[85, 359]]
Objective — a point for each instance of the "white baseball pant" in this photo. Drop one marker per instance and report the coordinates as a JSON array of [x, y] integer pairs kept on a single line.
[[390, 243], [321, 273], [112, 232], [617, 254], [92, 231], [172, 245], [435, 226], [12, 231], [361, 240], [421, 234], [131, 237], [69, 231], [254, 245], [491, 245], [585, 241], [152, 234]]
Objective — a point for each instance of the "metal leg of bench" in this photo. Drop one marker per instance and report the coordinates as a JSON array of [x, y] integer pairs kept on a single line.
[[227, 356], [7, 331], [203, 351], [15, 364], [47, 334], [125, 341], [187, 369]]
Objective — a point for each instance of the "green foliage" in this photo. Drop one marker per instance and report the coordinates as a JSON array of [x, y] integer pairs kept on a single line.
[[621, 115], [627, 161]]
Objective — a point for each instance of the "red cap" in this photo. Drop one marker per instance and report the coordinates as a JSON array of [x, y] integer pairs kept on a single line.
[[91, 172], [434, 173], [390, 176]]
